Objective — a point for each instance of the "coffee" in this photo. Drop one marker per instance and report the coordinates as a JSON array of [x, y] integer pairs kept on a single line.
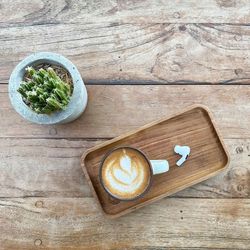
[[125, 173]]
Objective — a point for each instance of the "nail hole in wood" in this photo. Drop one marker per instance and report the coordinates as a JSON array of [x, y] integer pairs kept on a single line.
[[239, 150], [240, 188], [176, 15], [53, 131], [37, 242], [182, 28], [39, 204], [238, 71], [237, 38]]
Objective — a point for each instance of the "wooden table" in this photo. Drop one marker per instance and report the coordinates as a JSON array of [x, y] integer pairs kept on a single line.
[[141, 60]]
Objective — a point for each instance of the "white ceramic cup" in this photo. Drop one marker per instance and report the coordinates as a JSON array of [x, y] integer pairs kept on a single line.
[[155, 166]]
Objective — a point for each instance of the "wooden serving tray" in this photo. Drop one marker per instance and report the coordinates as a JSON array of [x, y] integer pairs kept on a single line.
[[193, 127]]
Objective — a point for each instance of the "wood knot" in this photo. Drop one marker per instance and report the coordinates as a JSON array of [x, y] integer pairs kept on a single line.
[[37, 242], [175, 67]]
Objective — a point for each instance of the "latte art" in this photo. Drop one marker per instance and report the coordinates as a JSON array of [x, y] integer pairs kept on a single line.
[[126, 173]]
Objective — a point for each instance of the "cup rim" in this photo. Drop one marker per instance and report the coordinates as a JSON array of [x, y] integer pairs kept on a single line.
[[150, 177]]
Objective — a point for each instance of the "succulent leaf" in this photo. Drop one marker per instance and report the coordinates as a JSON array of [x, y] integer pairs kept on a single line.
[[45, 92]]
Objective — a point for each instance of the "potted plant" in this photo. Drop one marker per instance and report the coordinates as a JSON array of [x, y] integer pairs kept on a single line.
[[46, 88]]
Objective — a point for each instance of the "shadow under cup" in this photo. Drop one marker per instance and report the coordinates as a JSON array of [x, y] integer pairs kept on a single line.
[[147, 178]]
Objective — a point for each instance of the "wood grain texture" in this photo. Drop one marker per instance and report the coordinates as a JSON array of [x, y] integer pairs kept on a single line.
[[145, 11], [125, 42], [155, 53], [65, 223], [193, 127], [51, 168], [113, 110], [46, 168]]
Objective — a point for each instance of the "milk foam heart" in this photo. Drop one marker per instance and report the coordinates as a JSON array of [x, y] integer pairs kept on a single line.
[[126, 173]]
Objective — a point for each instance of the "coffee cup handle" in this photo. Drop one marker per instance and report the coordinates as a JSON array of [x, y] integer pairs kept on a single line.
[[159, 166]]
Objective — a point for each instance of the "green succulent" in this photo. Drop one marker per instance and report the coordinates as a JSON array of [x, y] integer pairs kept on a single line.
[[45, 92]]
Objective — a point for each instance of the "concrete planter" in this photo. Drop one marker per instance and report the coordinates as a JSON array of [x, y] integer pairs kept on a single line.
[[78, 101]]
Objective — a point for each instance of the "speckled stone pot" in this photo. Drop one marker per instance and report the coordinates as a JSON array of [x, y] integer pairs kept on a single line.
[[78, 101]]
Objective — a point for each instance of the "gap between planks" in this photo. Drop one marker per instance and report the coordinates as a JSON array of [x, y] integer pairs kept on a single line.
[[146, 53], [57, 223], [124, 82], [108, 105]]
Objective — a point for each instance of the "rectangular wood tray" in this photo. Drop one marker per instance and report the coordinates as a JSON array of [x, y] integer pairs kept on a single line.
[[193, 127]]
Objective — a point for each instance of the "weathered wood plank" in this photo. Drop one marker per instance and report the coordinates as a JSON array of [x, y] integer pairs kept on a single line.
[[66, 223], [51, 168], [145, 11], [43, 167], [137, 53], [113, 110]]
